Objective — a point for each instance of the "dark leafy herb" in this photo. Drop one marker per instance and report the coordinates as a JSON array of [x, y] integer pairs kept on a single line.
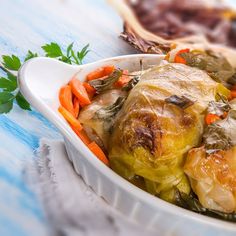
[[110, 111], [131, 83], [232, 80], [221, 135], [219, 107], [216, 65], [104, 84], [8, 84], [191, 202], [182, 102]]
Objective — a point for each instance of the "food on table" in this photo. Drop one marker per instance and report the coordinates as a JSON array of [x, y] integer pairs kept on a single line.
[[169, 129]]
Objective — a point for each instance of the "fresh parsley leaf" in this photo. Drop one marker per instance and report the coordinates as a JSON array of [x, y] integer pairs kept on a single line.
[[5, 97], [81, 55], [68, 50], [52, 50], [6, 102], [7, 85], [22, 102], [6, 107], [30, 55], [11, 62]]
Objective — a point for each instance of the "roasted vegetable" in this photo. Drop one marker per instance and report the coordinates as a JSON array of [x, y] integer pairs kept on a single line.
[[213, 178], [152, 133], [212, 167], [97, 117]]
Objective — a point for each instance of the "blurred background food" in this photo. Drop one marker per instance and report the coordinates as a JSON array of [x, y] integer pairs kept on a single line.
[[153, 25]]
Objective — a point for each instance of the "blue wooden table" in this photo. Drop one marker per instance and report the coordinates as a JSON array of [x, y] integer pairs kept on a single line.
[[27, 24]]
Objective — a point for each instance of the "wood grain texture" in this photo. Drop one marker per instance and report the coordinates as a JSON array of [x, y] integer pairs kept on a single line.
[[27, 24]]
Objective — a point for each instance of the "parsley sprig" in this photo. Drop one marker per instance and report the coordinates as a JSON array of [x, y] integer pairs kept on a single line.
[[9, 91]]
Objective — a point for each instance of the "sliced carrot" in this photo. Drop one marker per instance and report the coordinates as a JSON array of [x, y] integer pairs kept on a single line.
[[96, 74], [108, 70], [76, 106], [234, 87], [124, 79], [178, 58], [82, 135], [100, 72], [70, 118], [211, 118], [233, 94], [97, 151], [65, 98], [90, 89], [80, 92]]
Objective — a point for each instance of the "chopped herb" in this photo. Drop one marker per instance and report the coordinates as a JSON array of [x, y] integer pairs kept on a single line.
[[182, 102], [219, 107], [104, 84], [191, 202], [135, 79], [232, 80], [131, 83], [221, 135], [110, 111], [216, 65]]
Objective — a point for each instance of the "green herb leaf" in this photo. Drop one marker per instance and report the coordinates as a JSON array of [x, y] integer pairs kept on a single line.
[[7, 85], [5, 97], [131, 83], [216, 65], [30, 55], [69, 49], [11, 62], [52, 50], [182, 102], [6, 102], [22, 102], [191, 202], [6, 107], [221, 135], [81, 55], [109, 112], [104, 84]]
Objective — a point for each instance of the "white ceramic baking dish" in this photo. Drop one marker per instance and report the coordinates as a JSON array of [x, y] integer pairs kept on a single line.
[[40, 80]]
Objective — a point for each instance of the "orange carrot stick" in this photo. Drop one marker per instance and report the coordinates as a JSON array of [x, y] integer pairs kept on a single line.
[[76, 106], [124, 79], [90, 89], [100, 72], [70, 118], [82, 135], [65, 98], [97, 151], [80, 92]]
